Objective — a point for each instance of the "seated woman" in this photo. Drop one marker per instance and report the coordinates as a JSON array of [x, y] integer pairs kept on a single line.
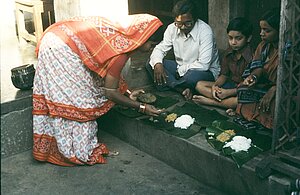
[[238, 55], [262, 72]]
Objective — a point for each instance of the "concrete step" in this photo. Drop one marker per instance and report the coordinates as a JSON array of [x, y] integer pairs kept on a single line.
[[194, 157], [131, 172]]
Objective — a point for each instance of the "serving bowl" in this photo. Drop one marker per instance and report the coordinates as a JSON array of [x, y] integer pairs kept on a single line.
[[22, 76], [147, 98]]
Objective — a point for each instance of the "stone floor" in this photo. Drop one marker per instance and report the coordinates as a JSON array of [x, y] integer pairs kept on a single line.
[[131, 172]]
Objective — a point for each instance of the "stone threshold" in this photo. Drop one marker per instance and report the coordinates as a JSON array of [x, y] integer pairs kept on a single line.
[[194, 157]]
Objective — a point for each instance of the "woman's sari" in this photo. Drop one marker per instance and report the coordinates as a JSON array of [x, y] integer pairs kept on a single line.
[[251, 111], [73, 58]]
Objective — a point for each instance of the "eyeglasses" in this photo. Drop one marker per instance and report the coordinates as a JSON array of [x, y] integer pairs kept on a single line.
[[188, 24]]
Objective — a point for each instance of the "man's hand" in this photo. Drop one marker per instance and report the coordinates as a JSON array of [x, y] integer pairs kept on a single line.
[[160, 77]]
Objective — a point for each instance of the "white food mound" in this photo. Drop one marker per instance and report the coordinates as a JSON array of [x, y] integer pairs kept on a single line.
[[184, 121], [239, 143]]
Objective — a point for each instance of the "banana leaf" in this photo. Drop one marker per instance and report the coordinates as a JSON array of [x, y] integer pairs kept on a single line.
[[128, 112], [241, 157], [204, 117], [168, 127], [164, 102]]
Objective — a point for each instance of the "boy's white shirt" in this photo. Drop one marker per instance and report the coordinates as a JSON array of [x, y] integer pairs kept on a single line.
[[196, 51]]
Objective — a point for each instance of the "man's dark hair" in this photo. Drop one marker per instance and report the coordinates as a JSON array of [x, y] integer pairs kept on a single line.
[[272, 17], [184, 7], [242, 25]]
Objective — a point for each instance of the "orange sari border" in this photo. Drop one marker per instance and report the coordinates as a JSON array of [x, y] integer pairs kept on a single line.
[[42, 106], [45, 149]]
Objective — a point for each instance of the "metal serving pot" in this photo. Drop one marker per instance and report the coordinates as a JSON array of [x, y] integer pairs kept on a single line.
[[22, 76]]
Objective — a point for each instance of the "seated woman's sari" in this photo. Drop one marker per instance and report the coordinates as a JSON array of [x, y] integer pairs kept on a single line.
[[250, 110], [74, 56]]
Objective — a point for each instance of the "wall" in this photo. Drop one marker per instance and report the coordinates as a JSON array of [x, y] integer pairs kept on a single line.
[[69, 8], [218, 17]]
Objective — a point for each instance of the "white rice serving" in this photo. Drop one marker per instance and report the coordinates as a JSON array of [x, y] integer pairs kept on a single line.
[[184, 121], [239, 143]]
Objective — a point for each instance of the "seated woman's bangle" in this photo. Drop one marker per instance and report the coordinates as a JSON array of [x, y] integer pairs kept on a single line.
[[142, 108], [254, 77]]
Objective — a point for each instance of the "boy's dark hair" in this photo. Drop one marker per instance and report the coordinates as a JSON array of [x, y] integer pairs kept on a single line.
[[272, 17], [184, 7], [242, 25]]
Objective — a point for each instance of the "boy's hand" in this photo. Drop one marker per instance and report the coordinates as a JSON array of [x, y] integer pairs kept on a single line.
[[216, 90]]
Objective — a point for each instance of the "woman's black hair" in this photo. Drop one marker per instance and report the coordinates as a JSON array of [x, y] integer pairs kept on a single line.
[[272, 17], [157, 36], [242, 25], [184, 7]]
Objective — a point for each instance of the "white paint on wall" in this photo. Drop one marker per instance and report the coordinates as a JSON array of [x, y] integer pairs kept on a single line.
[[70, 8]]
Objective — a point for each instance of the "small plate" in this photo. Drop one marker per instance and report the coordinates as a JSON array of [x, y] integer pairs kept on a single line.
[[147, 98]]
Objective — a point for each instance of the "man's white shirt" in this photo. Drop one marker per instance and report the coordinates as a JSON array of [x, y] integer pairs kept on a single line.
[[196, 51]]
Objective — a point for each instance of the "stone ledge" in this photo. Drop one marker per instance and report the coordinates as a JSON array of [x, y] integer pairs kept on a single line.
[[16, 132], [192, 156]]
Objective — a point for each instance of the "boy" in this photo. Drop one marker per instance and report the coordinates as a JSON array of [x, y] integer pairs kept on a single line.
[[223, 91]]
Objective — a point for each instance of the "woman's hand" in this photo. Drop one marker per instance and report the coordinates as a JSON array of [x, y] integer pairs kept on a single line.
[[135, 93], [265, 101], [160, 76], [250, 80], [152, 111]]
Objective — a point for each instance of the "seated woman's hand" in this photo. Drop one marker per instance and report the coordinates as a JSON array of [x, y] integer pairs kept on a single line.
[[265, 101], [250, 80], [135, 93]]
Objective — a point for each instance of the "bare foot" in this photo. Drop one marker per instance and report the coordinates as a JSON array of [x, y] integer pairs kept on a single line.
[[199, 99], [114, 153], [187, 94]]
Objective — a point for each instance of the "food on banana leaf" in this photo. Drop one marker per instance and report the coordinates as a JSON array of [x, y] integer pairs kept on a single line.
[[147, 98], [171, 117]]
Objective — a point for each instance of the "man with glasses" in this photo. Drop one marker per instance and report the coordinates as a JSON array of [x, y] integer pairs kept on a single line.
[[196, 54]]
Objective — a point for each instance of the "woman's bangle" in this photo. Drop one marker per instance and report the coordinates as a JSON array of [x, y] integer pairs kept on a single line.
[[254, 77], [128, 92], [142, 108]]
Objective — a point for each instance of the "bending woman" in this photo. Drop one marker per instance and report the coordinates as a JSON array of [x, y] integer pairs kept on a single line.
[[78, 80], [262, 72]]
